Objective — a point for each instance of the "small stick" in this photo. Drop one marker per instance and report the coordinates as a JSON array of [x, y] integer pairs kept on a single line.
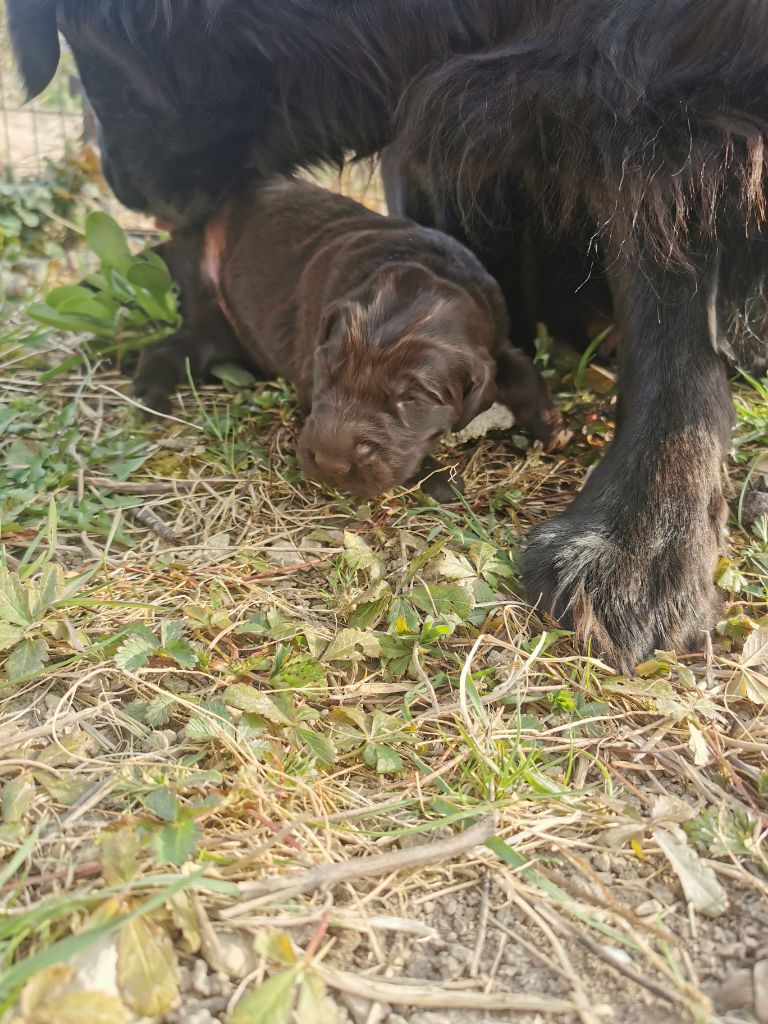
[[155, 486], [92, 867], [327, 875], [150, 520], [430, 997]]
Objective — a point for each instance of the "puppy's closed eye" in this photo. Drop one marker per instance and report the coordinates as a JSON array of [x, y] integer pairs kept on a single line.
[[419, 389]]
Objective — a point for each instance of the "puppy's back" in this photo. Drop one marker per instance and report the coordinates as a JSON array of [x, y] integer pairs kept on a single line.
[[293, 248]]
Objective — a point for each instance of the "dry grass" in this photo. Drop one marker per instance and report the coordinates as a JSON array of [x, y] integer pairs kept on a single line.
[[124, 777]]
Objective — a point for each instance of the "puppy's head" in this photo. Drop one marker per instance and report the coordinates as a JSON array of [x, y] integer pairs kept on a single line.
[[398, 365]]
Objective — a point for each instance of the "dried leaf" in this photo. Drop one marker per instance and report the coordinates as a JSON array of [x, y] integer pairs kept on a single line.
[[358, 554], [314, 1004], [185, 919], [9, 635], [46, 985], [18, 795], [277, 946], [699, 882], [755, 652], [81, 1008], [698, 745], [147, 969], [350, 644]]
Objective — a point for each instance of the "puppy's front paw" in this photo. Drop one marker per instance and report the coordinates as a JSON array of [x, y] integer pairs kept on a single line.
[[156, 380]]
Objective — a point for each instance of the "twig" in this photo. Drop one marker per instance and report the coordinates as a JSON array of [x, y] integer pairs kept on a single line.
[[156, 486], [287, 569], [431, 997], [151, 521], [92, 867], [482, 928], [327, 875]]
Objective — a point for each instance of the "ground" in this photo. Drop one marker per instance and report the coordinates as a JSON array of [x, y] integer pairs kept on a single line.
[[267, 748]]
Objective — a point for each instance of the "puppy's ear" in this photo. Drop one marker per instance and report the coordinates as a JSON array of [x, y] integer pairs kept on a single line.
[[479, 388], [35, 41], [339, 319]]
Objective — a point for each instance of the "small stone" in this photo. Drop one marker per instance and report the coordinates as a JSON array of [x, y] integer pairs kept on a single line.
[[200, 983], [199, 1017], [649, 908], [735, 993], [602, 863], [760, 981], [662, 893], [358, 1007]]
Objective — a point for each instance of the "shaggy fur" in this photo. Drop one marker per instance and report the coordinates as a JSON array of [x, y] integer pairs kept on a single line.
[[637, 129]]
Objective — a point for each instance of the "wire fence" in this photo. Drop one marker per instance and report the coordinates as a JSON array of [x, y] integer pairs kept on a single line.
[[55, 124]]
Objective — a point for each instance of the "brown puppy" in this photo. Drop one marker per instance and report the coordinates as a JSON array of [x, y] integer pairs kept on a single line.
[[394, 335]]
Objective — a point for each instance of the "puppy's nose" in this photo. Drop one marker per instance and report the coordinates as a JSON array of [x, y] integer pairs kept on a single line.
[[330, 465]]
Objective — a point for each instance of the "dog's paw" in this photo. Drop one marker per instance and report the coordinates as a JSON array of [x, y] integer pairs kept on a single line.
[[628, 589], [155, 398]]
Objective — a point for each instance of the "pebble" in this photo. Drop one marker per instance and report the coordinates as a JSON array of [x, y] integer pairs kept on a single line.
[[199, 981], [648, 908], [360, 1009], [602, 863], [760, 981]]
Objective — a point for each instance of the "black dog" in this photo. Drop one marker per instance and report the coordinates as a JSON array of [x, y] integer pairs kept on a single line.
[[641, 125]]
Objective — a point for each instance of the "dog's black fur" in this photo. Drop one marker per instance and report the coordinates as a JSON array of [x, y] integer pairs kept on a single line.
[[639, 127]]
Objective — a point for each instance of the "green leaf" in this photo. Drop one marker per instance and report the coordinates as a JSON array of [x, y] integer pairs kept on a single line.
[[246, 698], [268, 1003], [105, 237], [182, 652], [65, 293], [136, 650], [232, 373], [386, 760], [26, 660], [175, 844], [175, 646], [300, 672], [368, 614], [160, 709], [403, 618], [152, 277], [147, 968], [443, 598], [163, 803], [320, 746]]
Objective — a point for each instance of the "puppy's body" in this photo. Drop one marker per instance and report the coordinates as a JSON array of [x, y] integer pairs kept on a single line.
[[393, 334]]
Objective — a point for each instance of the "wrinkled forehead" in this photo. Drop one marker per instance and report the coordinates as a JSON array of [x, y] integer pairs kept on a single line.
[[426, 318]]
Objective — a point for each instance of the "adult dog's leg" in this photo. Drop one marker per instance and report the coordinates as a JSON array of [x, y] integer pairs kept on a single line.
[[630, 563]]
